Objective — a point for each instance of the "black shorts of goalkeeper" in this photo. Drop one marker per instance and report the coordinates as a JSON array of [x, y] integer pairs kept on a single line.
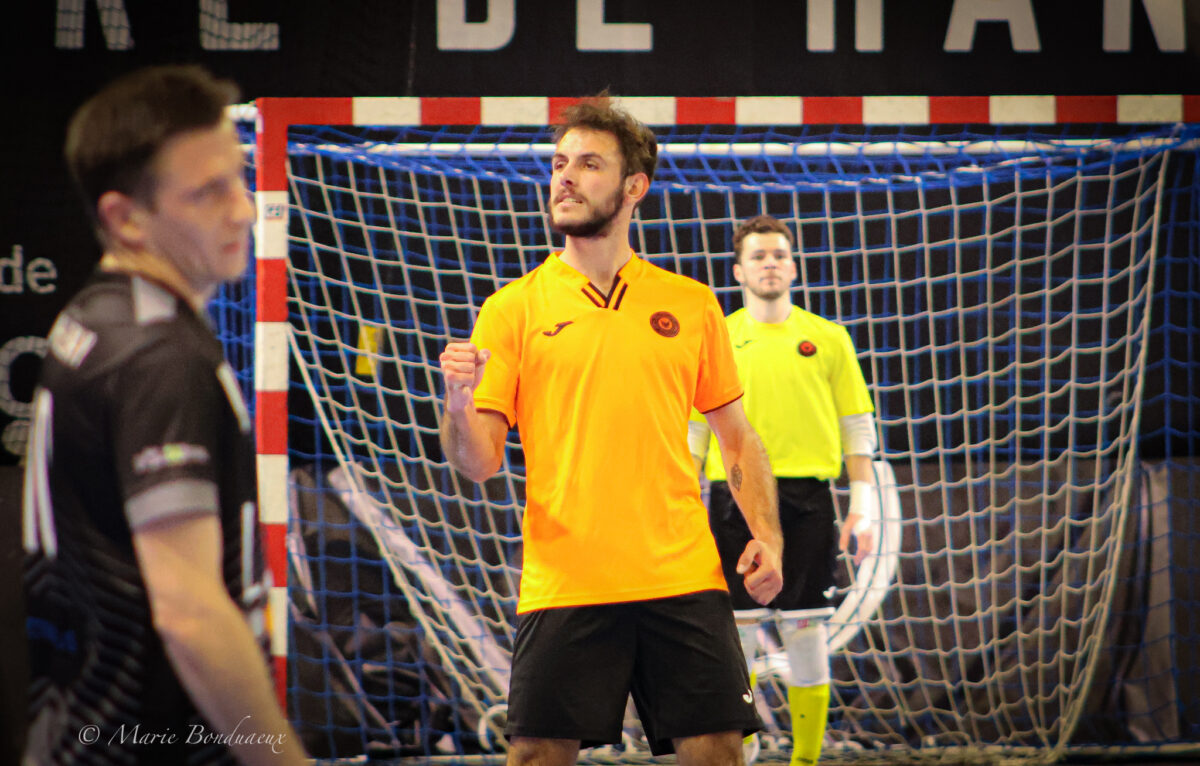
[[808, 521]]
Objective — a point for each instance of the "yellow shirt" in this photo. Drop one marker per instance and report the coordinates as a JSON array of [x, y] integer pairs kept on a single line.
[[801, 376], [600, 387]]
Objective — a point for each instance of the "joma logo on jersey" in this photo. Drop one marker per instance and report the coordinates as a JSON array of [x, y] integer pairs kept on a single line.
[[557, 329], [169, 456]]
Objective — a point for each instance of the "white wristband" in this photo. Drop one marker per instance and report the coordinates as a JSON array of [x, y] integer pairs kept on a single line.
[[698, 436], [864, 502], [858, 434]]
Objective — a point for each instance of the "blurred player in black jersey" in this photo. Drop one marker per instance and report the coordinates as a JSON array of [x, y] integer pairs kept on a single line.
[[143, 580]]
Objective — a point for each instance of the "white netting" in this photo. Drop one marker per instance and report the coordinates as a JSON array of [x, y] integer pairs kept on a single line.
[[999, 304]]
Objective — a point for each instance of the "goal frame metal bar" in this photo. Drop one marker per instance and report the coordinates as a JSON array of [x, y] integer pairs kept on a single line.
[[275, 116]]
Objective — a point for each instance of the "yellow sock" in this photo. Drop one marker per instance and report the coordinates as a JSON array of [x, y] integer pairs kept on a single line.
[[810, 712]]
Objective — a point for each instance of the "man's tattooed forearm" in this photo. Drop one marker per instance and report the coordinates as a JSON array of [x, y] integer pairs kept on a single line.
[[735, 476]]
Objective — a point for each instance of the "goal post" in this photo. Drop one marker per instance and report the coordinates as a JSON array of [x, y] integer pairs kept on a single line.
[[997, 279]]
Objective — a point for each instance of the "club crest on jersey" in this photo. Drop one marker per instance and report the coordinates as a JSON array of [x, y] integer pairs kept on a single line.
[[807, 348], [664, 323]]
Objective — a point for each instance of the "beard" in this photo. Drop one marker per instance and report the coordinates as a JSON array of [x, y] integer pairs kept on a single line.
[[598, 224]]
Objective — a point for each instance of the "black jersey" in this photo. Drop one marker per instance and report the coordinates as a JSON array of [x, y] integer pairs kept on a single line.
[[138, 418]]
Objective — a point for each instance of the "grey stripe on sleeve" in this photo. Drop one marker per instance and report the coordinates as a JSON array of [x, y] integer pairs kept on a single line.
[[182, 497]]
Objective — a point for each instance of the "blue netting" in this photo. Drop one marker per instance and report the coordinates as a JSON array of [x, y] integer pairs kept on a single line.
[[995, 297]]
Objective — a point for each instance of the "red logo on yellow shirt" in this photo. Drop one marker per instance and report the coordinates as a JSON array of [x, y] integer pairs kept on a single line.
[[664, 323], [807, 348]]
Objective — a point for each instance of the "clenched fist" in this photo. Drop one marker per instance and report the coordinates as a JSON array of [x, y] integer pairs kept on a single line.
[[462, 367], [762, 570]]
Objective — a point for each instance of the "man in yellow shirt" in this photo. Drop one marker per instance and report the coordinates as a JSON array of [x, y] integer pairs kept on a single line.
[[806, 397], [599, 357]]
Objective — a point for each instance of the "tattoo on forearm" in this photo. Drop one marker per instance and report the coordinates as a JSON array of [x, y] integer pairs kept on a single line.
[[735, 476]]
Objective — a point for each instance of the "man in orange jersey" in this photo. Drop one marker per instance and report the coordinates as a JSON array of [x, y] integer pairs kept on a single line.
[[599, 357]]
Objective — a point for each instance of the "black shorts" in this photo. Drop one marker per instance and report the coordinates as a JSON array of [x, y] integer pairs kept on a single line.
[[806, 516], [575, 667]]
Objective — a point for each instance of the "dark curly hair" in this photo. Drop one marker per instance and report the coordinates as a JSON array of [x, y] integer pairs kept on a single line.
[[639, 148]]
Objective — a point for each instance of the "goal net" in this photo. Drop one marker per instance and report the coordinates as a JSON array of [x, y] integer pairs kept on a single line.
[[997, 284]]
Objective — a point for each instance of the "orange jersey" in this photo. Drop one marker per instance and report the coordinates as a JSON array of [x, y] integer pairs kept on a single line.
[[600, 387]]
